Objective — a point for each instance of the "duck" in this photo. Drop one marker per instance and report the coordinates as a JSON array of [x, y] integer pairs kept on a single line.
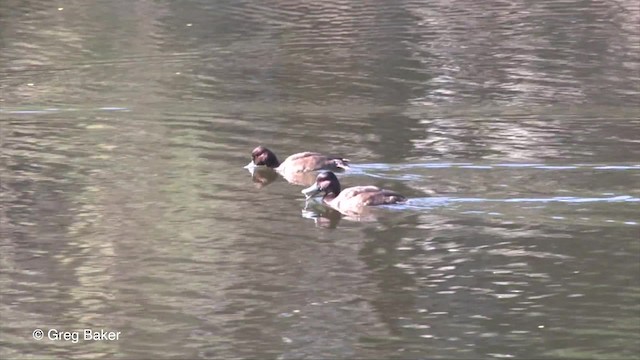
[[351, 200], [296, 163]]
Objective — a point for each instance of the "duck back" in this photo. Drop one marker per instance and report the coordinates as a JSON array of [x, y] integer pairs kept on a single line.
[[360, 196]]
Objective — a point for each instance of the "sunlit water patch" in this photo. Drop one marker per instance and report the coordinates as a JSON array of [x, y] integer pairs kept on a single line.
[[59, 110], [369, 168]]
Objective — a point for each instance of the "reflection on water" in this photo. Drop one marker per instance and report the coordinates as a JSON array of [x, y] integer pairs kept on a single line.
[[264, 176], [322, 216], [512, 126]]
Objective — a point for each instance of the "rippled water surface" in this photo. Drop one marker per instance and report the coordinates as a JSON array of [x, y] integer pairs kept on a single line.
[[513, 127]]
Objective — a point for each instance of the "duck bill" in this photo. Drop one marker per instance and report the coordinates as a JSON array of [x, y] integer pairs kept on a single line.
[[311, 191], [250, 165]]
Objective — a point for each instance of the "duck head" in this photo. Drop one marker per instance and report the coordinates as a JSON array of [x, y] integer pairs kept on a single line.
[[326, 183], [263, 156]]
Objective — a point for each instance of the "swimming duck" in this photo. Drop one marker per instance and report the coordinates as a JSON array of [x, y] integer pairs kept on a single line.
[[353, 199], [300, 162]]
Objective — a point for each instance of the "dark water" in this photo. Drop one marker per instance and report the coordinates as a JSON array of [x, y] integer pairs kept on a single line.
[[514, 127]]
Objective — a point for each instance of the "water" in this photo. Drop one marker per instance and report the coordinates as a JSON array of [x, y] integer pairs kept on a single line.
[[513, 127]]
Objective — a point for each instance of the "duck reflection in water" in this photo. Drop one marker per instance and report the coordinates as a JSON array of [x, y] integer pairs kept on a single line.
[[262, 177], [329, 218], [321, 215]]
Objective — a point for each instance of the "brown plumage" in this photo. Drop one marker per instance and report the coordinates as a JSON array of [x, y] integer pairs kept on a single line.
[[350, 199], [300, 162]]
